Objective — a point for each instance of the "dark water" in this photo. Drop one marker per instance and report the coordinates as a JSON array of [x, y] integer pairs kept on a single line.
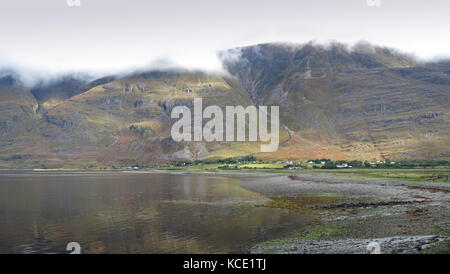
[[134, 213]]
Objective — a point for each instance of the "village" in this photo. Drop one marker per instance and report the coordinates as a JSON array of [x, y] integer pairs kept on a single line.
[[252, 163]]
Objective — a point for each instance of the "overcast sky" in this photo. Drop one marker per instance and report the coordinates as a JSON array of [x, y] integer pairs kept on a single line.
[[108, 35]]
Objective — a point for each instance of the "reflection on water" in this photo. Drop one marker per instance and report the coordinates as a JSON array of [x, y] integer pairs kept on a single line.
[[134, 213]]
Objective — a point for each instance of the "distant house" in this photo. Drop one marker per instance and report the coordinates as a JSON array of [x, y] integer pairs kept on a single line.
[[377, 163], [322, 162], [343, 165], [310, 162]]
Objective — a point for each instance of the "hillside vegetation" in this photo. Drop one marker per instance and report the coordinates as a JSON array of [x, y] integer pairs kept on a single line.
[[362, 103]]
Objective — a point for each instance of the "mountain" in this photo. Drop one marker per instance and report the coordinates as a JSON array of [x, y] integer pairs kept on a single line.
[[18, 108], [51, 93], [119, 121], [337, 102], [364, 102]]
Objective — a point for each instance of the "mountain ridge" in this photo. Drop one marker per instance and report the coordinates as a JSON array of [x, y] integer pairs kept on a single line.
[[362, 103]]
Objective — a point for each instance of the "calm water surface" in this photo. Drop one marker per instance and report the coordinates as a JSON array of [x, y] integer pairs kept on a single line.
[[134, 213]]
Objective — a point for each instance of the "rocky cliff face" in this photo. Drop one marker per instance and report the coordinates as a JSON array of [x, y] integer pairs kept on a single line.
[[340, 103], [362, 102], [120, 121], [17, 108]]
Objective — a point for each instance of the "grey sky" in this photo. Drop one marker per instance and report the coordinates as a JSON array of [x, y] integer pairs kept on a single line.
[[112, 35]]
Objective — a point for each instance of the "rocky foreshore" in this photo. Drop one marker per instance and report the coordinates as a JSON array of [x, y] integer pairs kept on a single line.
[[402, 217], [388, 245]]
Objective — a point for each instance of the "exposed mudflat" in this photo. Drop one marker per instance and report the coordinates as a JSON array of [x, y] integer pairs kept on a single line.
[[404, 217]]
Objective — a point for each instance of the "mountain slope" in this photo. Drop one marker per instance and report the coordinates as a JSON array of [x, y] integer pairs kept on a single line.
[[365, 102], [17, 107], [123, 121], [359, 103]]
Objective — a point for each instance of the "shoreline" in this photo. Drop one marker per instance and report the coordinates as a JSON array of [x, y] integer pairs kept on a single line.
[[403, 217]]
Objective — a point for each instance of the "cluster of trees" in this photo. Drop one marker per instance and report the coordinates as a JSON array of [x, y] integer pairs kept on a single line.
[[231, 163], [228, 167], [319, 161], [247, 167], [386, 164], [408, 164], [234, 160], [324, 163], [333, 164]]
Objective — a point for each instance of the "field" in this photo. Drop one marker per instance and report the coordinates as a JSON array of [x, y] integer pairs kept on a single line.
[[264, 166], [419, 174], [436, 174]]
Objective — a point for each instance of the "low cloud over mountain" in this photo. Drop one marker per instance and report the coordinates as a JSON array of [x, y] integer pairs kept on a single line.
[[339, 102]]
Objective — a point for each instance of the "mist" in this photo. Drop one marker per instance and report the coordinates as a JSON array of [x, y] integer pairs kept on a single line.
[[105, 37], [32, 76]]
